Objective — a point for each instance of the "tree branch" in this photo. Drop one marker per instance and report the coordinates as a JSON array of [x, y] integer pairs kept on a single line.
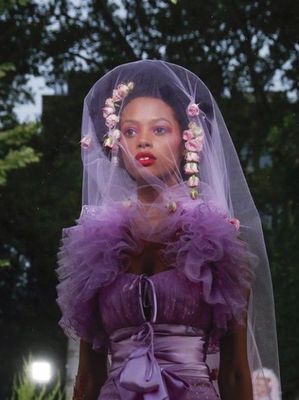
[[121, 40]]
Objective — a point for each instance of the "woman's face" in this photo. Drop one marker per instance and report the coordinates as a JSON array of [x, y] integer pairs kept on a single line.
[[151, 139]]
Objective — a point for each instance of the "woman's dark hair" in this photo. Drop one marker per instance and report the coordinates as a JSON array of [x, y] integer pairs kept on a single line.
[[167, 94], [150, 80]]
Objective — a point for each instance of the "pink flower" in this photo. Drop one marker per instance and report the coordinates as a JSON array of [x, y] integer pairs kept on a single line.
[[192, 156], [115, 95], [193, 110], [235, 222], [188, 134], [191, 168], [107, 111], [194, 144], [112, 120], [109, 102], [193, 181], [85, 142]]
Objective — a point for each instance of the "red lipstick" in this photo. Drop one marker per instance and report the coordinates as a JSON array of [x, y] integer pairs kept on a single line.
[[145, 158]]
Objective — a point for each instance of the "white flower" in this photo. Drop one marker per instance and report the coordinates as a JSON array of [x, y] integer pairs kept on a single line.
[[107, 111], [112, 120], [116, 134], [193, 181], [109, 102], [122, 90], [191, 168], [197, 130], [192, 156], [131, 85], [115, 95]]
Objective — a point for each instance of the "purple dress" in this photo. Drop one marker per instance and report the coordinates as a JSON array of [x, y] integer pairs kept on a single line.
[[158, 328]]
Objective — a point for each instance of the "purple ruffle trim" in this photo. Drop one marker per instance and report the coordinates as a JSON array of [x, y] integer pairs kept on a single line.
[[197, 240], [207, 249], [91, 255]]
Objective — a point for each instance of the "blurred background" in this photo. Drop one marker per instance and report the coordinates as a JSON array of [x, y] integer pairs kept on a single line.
[[51, 52]]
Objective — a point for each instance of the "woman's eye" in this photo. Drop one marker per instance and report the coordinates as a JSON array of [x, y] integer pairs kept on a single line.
[[160, 130], [129, 132]]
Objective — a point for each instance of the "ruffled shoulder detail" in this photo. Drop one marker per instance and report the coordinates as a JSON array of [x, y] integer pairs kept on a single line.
[[90, 256], [197, 239], [208, 250]]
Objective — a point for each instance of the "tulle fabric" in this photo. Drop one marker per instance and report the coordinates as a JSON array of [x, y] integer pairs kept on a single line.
[[197, 239]]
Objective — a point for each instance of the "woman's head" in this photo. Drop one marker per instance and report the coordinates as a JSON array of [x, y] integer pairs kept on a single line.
[[173, 84], [148, 92], [149, 87]]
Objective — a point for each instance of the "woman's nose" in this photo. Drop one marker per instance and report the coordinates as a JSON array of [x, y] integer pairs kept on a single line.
[[143, 144], [144, 139]]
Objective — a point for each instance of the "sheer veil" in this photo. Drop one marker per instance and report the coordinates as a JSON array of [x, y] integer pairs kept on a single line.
[[108, 183]]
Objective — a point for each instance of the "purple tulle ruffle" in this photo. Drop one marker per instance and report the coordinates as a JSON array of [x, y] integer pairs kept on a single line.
[[198, 240], [207, 249], [91, 255]]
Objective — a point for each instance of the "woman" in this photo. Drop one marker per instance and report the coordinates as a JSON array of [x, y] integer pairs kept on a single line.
[[167, 263]]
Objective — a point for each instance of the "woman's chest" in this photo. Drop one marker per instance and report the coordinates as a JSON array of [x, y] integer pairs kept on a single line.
[[170, 297], [149, 261]]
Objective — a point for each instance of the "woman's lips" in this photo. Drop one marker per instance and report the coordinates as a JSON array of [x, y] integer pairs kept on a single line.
[[145, 158]]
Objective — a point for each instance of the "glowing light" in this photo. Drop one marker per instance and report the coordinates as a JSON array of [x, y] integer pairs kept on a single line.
[[41, 371]]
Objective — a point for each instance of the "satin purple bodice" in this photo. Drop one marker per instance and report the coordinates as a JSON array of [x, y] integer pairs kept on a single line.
[[178, 301]]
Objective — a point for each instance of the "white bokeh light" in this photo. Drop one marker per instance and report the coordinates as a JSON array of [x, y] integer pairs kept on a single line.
[[41, 371]]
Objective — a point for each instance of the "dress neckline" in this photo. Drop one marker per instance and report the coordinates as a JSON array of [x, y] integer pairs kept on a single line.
[[148, 276]]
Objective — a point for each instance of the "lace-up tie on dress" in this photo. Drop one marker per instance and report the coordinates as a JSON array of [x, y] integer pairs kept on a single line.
[[145, 359]]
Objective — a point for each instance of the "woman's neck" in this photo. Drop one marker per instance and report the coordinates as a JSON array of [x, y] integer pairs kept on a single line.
[[147, 194]]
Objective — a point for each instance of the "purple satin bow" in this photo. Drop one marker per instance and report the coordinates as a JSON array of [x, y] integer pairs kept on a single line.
[[142, 374]]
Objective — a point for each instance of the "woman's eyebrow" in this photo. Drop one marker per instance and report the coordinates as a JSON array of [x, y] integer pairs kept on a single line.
[[132, 121], [161, 119], [129, 121]]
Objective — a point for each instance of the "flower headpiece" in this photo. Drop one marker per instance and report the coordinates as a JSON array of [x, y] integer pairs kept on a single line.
[[111, 116], [110, 113], [193, 137]]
